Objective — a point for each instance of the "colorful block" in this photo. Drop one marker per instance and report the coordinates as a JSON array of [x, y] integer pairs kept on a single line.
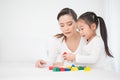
[[67, 69], [56, 69], [87, 68], [62, 69], [81, 67], [73, 65], [74, 68], [64, 53], [51, 67]]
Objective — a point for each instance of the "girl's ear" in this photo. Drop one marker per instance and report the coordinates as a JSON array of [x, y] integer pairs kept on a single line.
[[93, 26]]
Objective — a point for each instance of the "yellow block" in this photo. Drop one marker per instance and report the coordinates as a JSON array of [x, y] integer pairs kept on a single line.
[[87, 68], [74, 68]]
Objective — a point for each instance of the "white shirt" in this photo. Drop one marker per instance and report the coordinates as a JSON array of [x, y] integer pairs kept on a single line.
[[55, 48], [64, 48], [93, 54]]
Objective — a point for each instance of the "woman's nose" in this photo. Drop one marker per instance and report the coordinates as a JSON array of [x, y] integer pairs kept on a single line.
[[66, 28]]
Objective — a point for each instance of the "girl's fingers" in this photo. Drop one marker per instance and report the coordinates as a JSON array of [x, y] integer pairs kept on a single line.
[[64, 57]]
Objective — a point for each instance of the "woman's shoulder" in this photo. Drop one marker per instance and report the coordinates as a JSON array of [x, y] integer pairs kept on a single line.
[[53, 39]]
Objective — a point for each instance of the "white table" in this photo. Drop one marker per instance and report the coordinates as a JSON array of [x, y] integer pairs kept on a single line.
[[27, 71]]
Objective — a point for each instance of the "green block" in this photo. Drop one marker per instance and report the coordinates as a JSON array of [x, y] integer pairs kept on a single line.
[[56, 69], [81, 67]]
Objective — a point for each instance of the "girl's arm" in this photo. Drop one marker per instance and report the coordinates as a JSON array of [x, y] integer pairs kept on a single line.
[[91, 52]]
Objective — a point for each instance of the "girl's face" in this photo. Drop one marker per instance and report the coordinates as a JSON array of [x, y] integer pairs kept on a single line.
[[86, 31], [67, 25]]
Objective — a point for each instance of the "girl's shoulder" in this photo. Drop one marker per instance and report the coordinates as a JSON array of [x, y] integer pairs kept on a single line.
[[98, 40]]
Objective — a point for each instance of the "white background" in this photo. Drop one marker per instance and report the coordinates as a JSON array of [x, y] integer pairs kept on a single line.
[[25, 25]]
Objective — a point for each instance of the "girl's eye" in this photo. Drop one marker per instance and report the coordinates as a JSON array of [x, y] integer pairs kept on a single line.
[[81, 28]]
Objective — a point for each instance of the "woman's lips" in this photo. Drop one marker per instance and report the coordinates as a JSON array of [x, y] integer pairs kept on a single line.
[[67, 32]]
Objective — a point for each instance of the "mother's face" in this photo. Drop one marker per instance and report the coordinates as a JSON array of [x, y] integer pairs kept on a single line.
[[67, 25]]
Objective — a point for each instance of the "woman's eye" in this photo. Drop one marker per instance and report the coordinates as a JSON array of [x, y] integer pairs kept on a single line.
[[61, 25], [69, 24]]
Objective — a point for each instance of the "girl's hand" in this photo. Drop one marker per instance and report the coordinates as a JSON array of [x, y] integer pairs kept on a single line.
[[40, 64], [69, 57]]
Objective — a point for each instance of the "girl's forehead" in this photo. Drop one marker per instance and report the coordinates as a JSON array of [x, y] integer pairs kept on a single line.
[[80, 22]]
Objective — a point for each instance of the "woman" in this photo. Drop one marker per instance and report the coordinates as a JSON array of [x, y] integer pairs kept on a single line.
[[68, 41]]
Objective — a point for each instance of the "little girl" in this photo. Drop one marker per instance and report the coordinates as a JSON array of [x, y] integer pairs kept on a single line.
[[96, 51]]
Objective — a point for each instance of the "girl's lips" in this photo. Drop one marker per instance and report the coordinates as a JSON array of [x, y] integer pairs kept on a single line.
[[83, 35]]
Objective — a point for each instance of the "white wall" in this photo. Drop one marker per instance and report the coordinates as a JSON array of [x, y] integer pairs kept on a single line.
[[25, 25], [112, 15]]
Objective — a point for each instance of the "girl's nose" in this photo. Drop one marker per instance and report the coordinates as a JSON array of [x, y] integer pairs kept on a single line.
[[81, 32]]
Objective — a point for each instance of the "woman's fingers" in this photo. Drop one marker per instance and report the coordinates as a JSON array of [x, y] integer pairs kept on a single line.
[[40, 64]]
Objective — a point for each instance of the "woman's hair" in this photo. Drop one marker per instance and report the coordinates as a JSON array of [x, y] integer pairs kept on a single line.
[[90, 18], [66, 11]]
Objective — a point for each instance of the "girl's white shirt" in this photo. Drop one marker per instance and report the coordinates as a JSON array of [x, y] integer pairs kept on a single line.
[[93, 54]]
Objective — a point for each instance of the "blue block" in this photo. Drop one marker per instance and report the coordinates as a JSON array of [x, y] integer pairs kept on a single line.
[[67, 69]]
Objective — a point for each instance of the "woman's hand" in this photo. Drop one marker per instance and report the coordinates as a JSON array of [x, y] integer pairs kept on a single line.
[[40, 63], [58, 64]]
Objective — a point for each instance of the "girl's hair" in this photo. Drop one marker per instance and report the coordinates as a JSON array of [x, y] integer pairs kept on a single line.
[[66, 11], [90, 18]]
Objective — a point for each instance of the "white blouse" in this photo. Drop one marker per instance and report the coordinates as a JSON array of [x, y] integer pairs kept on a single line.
[[56, 47], [91, 54]]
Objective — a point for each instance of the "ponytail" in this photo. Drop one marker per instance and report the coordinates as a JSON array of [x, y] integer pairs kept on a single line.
[[103, 32]]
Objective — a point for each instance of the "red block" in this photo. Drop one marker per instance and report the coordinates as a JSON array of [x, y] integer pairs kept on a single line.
[[51, 67], [64, 53], [62, 69]]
